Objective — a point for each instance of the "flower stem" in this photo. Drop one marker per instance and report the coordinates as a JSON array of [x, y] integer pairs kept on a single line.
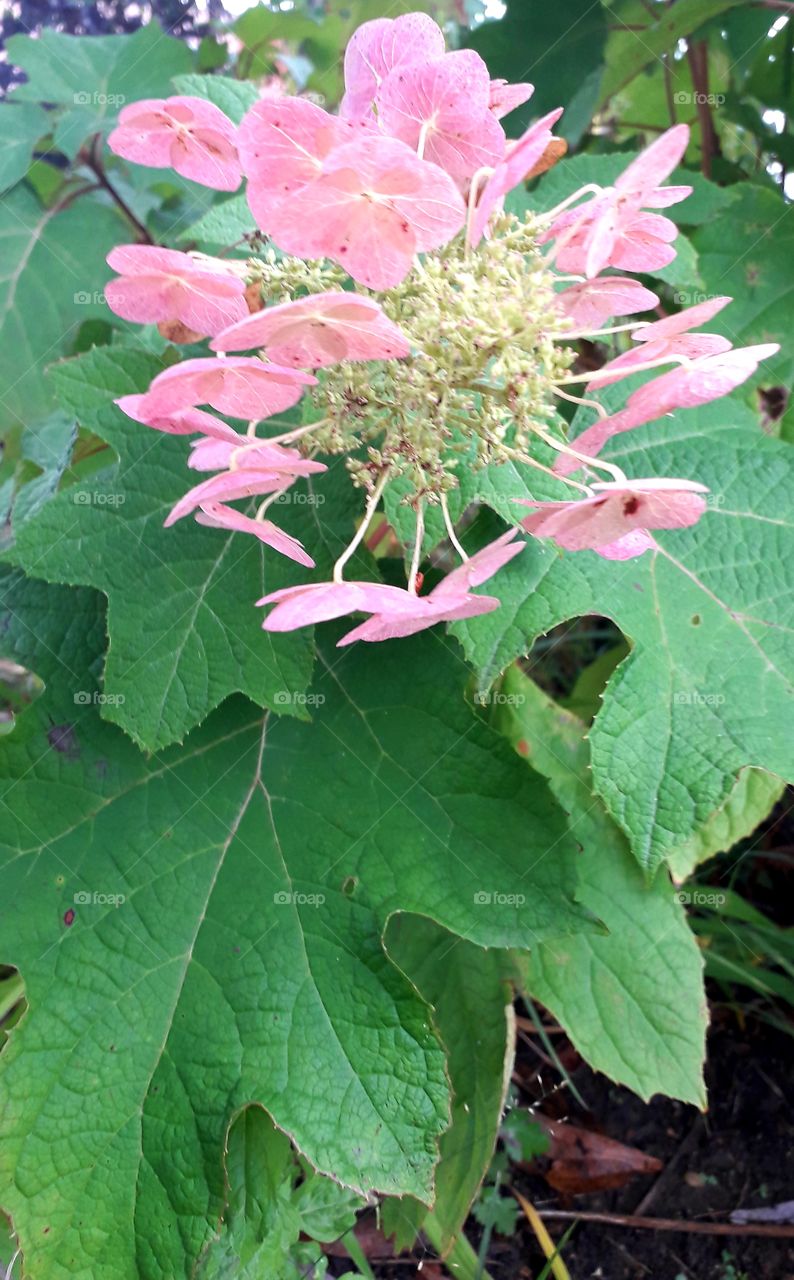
[[453, 537], [541, 466], [369, 511], [684, 361], [609, 467], [417, 553]]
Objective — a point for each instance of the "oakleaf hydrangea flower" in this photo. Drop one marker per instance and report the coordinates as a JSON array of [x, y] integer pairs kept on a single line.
[[424, 331]]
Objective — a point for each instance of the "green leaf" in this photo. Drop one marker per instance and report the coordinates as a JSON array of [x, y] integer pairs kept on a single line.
[[267, 1212], [471, 997], [234, 97], [630, 50], [93, 77], [225, 224], [557, 47], [752, 799], [22, 123], [203, 930], [632, 1002], [53, 272], [183, 629], [751, 258], [707, 689]]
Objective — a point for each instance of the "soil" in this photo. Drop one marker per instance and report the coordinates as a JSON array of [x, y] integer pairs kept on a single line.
[[739, 1155]]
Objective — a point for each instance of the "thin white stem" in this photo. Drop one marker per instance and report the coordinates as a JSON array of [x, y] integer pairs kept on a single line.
[[684, 361], [609, 467], [273, 497], [252, 426], [453, 537], [588, 404], [416, 558], [358, 537], [590, 188], [481, 176], [541, 466], [296, 434], [603, 333]]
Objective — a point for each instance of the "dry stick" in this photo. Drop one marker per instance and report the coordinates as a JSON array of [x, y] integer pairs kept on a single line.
[[93, 159], [697, 57], [669, 1224]]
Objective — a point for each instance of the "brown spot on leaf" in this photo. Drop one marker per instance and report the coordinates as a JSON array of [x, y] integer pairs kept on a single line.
[[62, 738]]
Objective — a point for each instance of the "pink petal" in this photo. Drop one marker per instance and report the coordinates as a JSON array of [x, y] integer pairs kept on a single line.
[[656, 162], [283, 143], [377, 47], [318, 602], [707, 379], [184, 422], [247, 452], [161, 284], [506, 97], [218, 516], [480, 567], [446, 102], [318, 330], [190, 135], [682, 321], [689, 345], [226, 487], [241, 386], [615, 510], [385, 626], [628, 547], [522, 157], [374, 208], [589, 304]]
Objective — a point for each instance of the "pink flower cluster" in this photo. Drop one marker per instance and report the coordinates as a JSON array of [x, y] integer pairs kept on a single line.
[[416, 157]]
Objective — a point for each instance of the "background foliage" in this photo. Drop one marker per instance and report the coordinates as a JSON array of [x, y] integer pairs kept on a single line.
[[233, 871]]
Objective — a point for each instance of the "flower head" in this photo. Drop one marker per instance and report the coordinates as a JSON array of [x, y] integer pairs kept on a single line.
[[442, 329]]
